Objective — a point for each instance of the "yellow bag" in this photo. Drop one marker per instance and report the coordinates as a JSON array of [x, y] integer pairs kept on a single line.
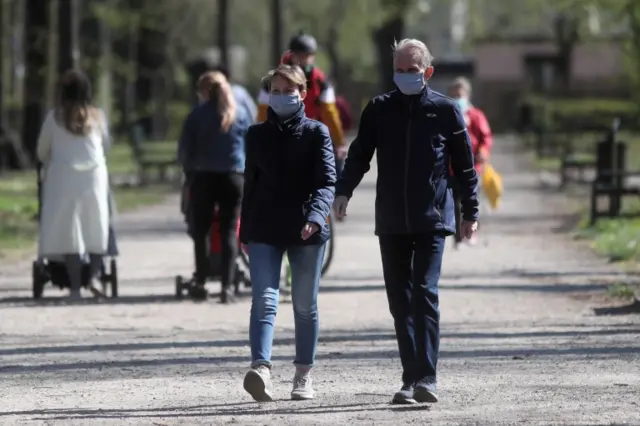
[[492, 186]]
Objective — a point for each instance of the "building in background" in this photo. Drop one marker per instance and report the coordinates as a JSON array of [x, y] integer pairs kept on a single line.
[[505, 69]]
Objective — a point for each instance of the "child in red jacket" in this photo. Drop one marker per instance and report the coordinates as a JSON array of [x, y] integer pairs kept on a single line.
[[479, 133]]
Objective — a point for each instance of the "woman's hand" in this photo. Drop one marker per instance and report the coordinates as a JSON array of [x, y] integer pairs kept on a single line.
[[308, 230]]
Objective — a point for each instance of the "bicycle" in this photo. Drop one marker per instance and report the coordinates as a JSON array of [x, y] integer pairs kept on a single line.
[[328, 254]]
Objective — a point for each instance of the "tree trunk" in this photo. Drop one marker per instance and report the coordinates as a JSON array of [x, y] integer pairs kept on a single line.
[[384, 37], [566, 28], [277, 30], [36, 42], [2, 65], [89, 45], [392, 29], [223, 34], [4, 151], [68, 35], [150, 88]]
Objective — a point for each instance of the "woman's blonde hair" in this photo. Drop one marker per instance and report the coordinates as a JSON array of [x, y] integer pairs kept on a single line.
[[215, 87], [291, 73], [74, 109]]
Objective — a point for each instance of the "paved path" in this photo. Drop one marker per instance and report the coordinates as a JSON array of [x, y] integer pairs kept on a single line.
[[516, 349]]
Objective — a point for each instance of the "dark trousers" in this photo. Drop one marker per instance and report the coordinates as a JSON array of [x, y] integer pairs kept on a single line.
[[411, 266], [209, 190]]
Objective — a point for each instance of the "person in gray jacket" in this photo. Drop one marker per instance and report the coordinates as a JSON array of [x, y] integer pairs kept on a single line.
[[211, 152]]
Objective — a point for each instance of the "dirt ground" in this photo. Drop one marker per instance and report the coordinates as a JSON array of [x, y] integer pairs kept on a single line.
[[522, 343]]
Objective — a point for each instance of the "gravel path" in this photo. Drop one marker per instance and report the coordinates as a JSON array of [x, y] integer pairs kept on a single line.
[[517, 348]]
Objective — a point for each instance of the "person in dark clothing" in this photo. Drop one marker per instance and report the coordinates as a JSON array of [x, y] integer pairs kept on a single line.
[[288, 194], [416, 133], [211, 152]]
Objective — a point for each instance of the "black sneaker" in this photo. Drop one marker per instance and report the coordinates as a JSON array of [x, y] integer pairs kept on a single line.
[[425, 391], [404, 395], [198, 292]]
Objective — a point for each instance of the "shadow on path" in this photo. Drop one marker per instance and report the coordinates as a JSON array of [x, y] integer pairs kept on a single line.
[[216, 410], [335, 337], [563, 354]]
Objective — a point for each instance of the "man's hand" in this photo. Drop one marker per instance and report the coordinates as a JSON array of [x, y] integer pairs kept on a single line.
[[469, 229], [308, 230], [480, 158], [340, 206], [341, 152]]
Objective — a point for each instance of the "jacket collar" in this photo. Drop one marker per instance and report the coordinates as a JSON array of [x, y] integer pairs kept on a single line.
[[422, 97], [289, 124]]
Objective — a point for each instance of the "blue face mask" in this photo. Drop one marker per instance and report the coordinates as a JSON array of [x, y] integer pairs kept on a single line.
[[284, 105], [463, 104], [409, 83]]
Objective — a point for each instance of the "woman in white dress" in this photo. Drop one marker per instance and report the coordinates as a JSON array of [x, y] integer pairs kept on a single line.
[[74, 220]]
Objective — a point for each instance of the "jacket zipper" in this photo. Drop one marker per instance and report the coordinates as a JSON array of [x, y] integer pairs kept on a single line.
[[406, 171]]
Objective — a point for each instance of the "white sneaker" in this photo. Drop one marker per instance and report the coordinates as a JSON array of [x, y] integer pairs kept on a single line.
[[257, 382], [302, 385], [94, 288]]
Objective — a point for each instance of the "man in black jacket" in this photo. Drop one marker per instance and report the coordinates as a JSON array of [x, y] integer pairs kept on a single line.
[[417, 134]]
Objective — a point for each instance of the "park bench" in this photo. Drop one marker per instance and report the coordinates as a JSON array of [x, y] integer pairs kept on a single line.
[[578, 152], [612, 180], [158, 156], [620, 185]]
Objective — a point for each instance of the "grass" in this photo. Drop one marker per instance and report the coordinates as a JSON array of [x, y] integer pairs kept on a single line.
[[121, 161], [19, 204], [622, 291], [617, 239]]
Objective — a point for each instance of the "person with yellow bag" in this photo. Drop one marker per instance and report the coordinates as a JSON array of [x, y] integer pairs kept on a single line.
[[481, 143]]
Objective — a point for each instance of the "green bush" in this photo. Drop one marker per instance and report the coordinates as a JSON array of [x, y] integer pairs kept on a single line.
[[555, 114]]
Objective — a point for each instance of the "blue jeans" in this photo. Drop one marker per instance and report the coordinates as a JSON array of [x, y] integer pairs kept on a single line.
[[265, 262], [411, 266]]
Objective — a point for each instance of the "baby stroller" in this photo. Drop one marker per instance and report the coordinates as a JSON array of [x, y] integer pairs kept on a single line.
[[181, 283], [54, 270]]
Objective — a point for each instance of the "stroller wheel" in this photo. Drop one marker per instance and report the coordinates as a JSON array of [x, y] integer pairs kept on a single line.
[[178, 286], [37, 281], [113, 269]]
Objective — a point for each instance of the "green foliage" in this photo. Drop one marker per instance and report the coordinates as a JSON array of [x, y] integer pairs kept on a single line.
[[616, 239], [553, 113]]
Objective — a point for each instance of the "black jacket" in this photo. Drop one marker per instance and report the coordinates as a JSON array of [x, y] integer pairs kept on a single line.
[[290, 179], [416, 139]]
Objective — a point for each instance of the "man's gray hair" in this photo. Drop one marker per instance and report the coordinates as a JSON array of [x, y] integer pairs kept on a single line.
[[461, 82], [417, 48]]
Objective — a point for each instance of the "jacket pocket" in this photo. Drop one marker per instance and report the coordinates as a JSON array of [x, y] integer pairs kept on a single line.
[[440, 190]]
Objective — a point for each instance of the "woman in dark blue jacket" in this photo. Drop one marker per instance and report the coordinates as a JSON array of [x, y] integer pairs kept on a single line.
[[211, 151], [288, 193]]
